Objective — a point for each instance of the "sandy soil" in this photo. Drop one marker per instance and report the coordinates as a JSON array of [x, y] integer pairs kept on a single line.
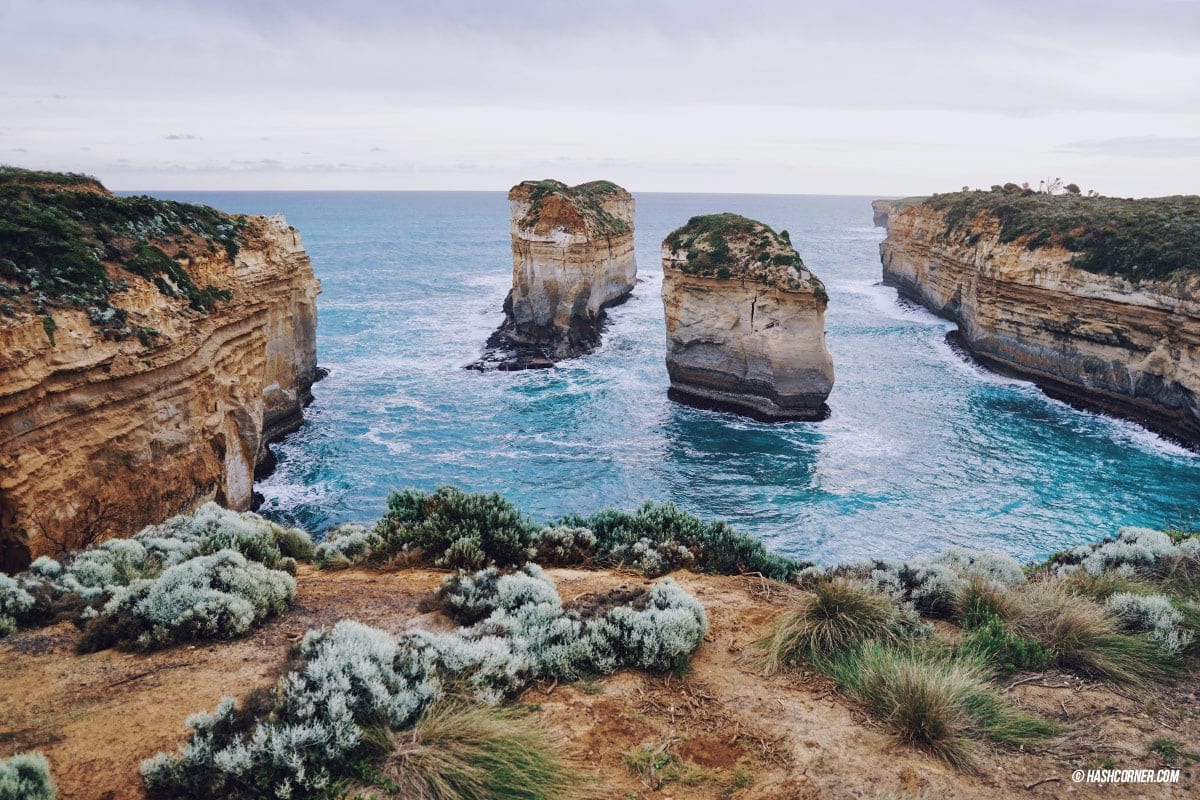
[[727, 731]]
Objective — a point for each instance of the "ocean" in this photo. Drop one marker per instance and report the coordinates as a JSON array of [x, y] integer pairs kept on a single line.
[[923, 449]]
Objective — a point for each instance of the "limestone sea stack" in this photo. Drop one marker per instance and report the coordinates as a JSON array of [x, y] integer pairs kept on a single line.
[[573, 256], [149, 351], [1095, 299], [745, 321]]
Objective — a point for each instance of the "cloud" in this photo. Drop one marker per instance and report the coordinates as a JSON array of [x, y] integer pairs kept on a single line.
[[1137, 147], [181, 137]]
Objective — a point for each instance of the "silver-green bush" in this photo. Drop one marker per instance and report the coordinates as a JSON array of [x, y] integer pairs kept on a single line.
[[218, 596], [354, 677], [26, 776]]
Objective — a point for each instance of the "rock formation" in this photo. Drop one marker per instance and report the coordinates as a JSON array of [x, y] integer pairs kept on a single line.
[[1096, 300], [879, 211], [127, 392], [745, 321], [572, 257]]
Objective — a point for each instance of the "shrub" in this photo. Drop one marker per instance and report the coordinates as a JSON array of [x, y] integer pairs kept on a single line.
[[932, 701], [1157, 616], [560, 546], [464, 752], [15, 601], [935, 587], [458, 530], [210, 597], [1084, 636], [659, 636], [26, 776], [353, 679], [294, 543], [990, 640], [839, 614], [346, 544], [659, 537]]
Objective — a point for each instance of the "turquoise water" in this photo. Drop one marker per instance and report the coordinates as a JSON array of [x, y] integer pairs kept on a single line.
[[922, 449]]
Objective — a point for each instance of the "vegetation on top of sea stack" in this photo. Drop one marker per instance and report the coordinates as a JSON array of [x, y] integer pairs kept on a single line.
[[730, 246], [1146, 239], [586, 198], [67, 242]]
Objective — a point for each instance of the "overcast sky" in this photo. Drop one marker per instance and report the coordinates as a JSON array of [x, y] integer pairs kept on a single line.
[[732, 96]]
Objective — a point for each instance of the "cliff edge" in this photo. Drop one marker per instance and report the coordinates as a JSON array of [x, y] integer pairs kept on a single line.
[[745, 321], [149, 352], [1095, 299], [572, 257]]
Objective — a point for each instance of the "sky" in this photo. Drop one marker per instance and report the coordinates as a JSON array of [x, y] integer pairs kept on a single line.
[[882, 98]]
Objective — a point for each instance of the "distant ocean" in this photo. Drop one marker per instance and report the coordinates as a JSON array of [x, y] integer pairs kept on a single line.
[[923, 449]]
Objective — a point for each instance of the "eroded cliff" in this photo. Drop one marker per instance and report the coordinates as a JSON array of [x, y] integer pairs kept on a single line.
[[745, 321], [1094, 299], [149, 351], [572, 257]]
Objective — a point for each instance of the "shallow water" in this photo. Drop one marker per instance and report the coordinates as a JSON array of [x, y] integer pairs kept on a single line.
[[922, 450]]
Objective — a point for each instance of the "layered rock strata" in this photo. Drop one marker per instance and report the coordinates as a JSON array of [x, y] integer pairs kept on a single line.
[[572, 258], [1121, 337], [142, 404], [745, 321]]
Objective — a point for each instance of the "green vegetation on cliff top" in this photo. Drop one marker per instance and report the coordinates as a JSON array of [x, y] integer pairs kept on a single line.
[[65, 242], [1147, 239], [587, 197], [730, 246]]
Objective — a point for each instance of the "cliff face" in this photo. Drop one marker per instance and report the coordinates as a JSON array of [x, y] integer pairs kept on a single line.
[[1127, 345], [879, 212], [572, 256], [103, 432], [745, 321]]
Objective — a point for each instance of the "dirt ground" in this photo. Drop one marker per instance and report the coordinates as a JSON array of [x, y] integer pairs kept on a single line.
[[720, 731]]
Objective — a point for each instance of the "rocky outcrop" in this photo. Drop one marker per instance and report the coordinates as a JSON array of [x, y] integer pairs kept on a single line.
[[106, 426], [880, 210], [745, 321], [1009, 273], [572, 257]]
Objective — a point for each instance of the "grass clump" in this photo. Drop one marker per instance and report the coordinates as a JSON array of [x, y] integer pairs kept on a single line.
[[1086, 637], [26, 776], [459, 751], [932, 701], [656, 765], [1168, 748], [837, 616]]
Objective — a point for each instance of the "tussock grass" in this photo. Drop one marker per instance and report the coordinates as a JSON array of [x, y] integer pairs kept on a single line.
[[981, 597], [932, 700], [458, 751], [838, 615], [1086, 637]]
